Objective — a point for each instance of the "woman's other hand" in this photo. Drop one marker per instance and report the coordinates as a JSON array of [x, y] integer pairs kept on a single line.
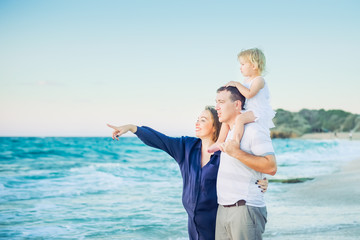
[[263, 184]]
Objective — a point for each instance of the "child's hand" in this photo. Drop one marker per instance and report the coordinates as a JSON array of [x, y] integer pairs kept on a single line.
[[231, 84]]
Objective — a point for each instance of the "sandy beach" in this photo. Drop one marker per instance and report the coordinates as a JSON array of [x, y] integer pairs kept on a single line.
[[335, 189], [330, 200], [331, 135]]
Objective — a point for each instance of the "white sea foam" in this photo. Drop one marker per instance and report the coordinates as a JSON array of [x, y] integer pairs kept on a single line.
[[310, 158]]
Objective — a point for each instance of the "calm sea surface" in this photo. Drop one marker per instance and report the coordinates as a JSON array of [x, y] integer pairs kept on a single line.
[[97, 188]]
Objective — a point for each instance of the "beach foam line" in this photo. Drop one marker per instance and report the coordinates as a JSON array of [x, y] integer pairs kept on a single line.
[[332, 135]]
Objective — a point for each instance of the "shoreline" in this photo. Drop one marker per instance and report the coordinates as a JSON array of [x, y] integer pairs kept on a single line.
[[323, 208], [336, 188], [332, 135]]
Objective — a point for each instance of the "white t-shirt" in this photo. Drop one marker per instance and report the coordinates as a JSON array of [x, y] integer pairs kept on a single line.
[[235, 180]]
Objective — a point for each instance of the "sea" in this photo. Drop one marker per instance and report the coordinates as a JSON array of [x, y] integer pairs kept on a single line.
[[98, 188]]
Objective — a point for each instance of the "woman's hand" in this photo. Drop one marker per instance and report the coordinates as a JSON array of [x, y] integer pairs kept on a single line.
[[263, 184], [118, 131]]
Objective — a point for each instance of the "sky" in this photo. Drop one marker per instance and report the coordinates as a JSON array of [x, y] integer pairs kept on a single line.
[[69, 67]]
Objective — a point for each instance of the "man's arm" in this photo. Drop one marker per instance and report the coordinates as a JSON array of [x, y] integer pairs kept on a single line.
[[265, 164]]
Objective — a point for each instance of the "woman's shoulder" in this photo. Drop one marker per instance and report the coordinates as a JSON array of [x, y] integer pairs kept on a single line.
[[190, 140], [195, 140]]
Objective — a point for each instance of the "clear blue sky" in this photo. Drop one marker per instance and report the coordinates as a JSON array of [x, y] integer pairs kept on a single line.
[[69, 67]]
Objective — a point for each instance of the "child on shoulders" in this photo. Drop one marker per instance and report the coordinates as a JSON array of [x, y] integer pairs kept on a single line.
[[255, 90]]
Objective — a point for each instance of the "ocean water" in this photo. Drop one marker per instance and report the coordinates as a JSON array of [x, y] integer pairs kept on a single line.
[[97, 188]]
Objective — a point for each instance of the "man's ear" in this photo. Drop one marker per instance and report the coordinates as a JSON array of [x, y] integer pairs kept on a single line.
[[238, 105]]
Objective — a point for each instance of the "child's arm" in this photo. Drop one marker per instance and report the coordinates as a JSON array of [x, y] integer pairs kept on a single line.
[[224, 130], [254, 89]]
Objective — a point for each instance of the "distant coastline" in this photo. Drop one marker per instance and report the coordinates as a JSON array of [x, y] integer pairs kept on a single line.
[[316, 124]]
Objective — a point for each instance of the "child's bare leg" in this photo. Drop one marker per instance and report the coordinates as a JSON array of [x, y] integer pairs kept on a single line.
[[240, 121], [224, 130]]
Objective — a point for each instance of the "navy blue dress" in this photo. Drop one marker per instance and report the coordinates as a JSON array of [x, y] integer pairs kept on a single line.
[[199, 183]]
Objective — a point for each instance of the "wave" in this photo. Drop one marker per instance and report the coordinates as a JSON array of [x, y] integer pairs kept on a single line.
[[124, 188]]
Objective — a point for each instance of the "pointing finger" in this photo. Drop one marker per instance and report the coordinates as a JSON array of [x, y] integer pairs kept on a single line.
[[111, 126]]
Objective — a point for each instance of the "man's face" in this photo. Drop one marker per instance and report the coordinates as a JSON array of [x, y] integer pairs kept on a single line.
[[225, 108]]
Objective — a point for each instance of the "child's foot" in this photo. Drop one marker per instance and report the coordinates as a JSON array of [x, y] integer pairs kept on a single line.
[[213, 148]]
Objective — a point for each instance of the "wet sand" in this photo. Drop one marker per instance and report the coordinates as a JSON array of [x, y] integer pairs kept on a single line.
[[339, 188]]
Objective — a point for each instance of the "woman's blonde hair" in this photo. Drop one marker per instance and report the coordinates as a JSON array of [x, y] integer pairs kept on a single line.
[[255, 56]]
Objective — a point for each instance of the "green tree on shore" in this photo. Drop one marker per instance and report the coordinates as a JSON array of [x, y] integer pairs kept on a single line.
[[294, 124]]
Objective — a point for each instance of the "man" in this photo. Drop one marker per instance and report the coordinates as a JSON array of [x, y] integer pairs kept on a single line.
[[242, 211]]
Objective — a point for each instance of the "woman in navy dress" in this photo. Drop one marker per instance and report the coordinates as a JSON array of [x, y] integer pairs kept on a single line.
[[198, 168]]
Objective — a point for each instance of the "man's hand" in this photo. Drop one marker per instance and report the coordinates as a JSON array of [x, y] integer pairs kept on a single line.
[[230, 147], [264, 164]]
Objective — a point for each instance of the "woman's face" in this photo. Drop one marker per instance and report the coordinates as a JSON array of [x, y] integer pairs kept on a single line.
[[204, 125]]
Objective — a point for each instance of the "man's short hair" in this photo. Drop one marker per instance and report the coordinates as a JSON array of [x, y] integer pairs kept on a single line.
[[234, 94]]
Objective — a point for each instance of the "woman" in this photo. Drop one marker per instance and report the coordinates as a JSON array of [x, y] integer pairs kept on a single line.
[[198, 168]]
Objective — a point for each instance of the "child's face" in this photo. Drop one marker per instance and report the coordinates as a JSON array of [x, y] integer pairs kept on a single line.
[[246, 67]]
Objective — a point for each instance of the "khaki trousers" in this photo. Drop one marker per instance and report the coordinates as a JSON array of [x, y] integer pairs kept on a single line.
[[240, 223]]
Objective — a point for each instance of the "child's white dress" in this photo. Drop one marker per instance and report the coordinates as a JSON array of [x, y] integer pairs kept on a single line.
[[260, 106]]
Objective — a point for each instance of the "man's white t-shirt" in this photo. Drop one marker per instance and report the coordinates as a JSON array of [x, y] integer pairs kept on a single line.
[[235, 180]]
